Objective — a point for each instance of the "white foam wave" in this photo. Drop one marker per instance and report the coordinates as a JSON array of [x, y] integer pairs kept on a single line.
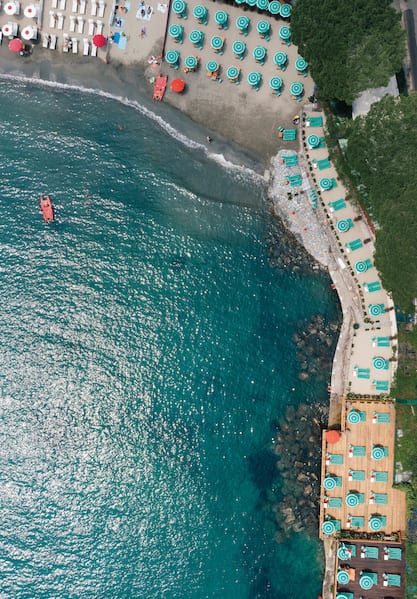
[[242, 170]]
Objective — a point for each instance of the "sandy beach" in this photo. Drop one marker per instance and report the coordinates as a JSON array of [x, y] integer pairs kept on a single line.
[[126, 65]]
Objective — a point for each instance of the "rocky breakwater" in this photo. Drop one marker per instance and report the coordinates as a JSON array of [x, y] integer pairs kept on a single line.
[[297, 446], [316, 342]]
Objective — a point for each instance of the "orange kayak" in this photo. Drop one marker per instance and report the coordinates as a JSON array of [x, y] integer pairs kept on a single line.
[[159, 87], [47, 209]]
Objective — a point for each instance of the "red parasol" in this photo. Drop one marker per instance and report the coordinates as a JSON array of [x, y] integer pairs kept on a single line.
[[332, 436], [15, 45], [99, 40], [178, 85]]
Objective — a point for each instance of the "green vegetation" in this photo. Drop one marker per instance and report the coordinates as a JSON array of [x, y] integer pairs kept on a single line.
[[406, 454], [406, 377], [350, 46], [382, 158]]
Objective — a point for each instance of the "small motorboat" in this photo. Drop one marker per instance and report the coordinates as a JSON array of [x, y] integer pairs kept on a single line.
[[47, 209], [159, 87]]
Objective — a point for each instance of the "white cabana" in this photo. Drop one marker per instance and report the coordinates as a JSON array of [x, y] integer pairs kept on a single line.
[[10, 29], [29, 33], [12, 7]]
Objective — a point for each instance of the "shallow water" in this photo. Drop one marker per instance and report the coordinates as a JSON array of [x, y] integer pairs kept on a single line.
[[146, 353]]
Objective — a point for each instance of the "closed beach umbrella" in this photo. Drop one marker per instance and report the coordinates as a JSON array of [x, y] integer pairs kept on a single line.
[[15, 45], [99, 40], [178, 85]]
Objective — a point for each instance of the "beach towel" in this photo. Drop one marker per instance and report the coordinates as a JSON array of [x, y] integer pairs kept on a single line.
[[122, 42]]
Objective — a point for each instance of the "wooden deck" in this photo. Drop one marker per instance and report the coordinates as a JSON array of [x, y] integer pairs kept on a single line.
[[364, 434], [379, 566]]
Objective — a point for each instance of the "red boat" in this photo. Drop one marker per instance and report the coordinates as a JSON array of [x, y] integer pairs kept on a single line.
[[159, 87], [47, 209]]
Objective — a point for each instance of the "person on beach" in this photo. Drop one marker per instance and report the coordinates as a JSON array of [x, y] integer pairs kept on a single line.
[[209, 139]]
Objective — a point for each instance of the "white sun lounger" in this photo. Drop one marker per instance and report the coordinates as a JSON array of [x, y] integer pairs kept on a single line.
[[54, 4], [83, 4], [62, 4], [65, 45], [52, 19], [93, 8], [99, 27], [74, 45], [91, 26], [45, 40], [86, 47], [1, 37], [80, 25], [101, 8], [93, 50], [74, 6], [52, 44], [60, 24], [73, 22]]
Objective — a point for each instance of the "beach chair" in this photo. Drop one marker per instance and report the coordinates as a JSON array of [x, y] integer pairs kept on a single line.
[[62, 4], [391, 580], [356, 475], [45, 40], [379, 499], [335, 502], [74, 45], [83, 5], [381, 342], [73, 23], [356, 521], [52, 43], [381, 418], [334, 458], [351, 246], [91, 26], [362, 373], [60, 22], [381, 385], [74, 6], [314, 121], [369, 552], [65, 45], [372, 287], [290, 160], [52, 19], [101, 8], [345, 595], [80, 27], [357, 451], [392, 553], [93, 9], [379, 476], [54, 4], [93, 50], [100, 26], [323, 164], [86, 47], [337, 205]]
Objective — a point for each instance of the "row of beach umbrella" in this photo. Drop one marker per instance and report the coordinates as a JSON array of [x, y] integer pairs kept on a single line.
[[200, 12]]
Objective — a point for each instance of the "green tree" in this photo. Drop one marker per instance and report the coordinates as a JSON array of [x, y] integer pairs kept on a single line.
[[381, 153], [350, 46]]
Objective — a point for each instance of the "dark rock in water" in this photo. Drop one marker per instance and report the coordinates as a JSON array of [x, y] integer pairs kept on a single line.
[[298, 464]]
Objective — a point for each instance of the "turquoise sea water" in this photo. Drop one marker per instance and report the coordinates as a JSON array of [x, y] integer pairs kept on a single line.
[[145, 354]]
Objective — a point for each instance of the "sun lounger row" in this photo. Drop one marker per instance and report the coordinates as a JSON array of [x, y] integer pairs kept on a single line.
[[381, 417], [337, 205], [372, 287], [313, 197], [391, 580], [380, 342], [314, 121], [290, 160], [369, 552], [289, 134], [49, 41], [56, 20], [61, 4], [351, 246], [392, 553]]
